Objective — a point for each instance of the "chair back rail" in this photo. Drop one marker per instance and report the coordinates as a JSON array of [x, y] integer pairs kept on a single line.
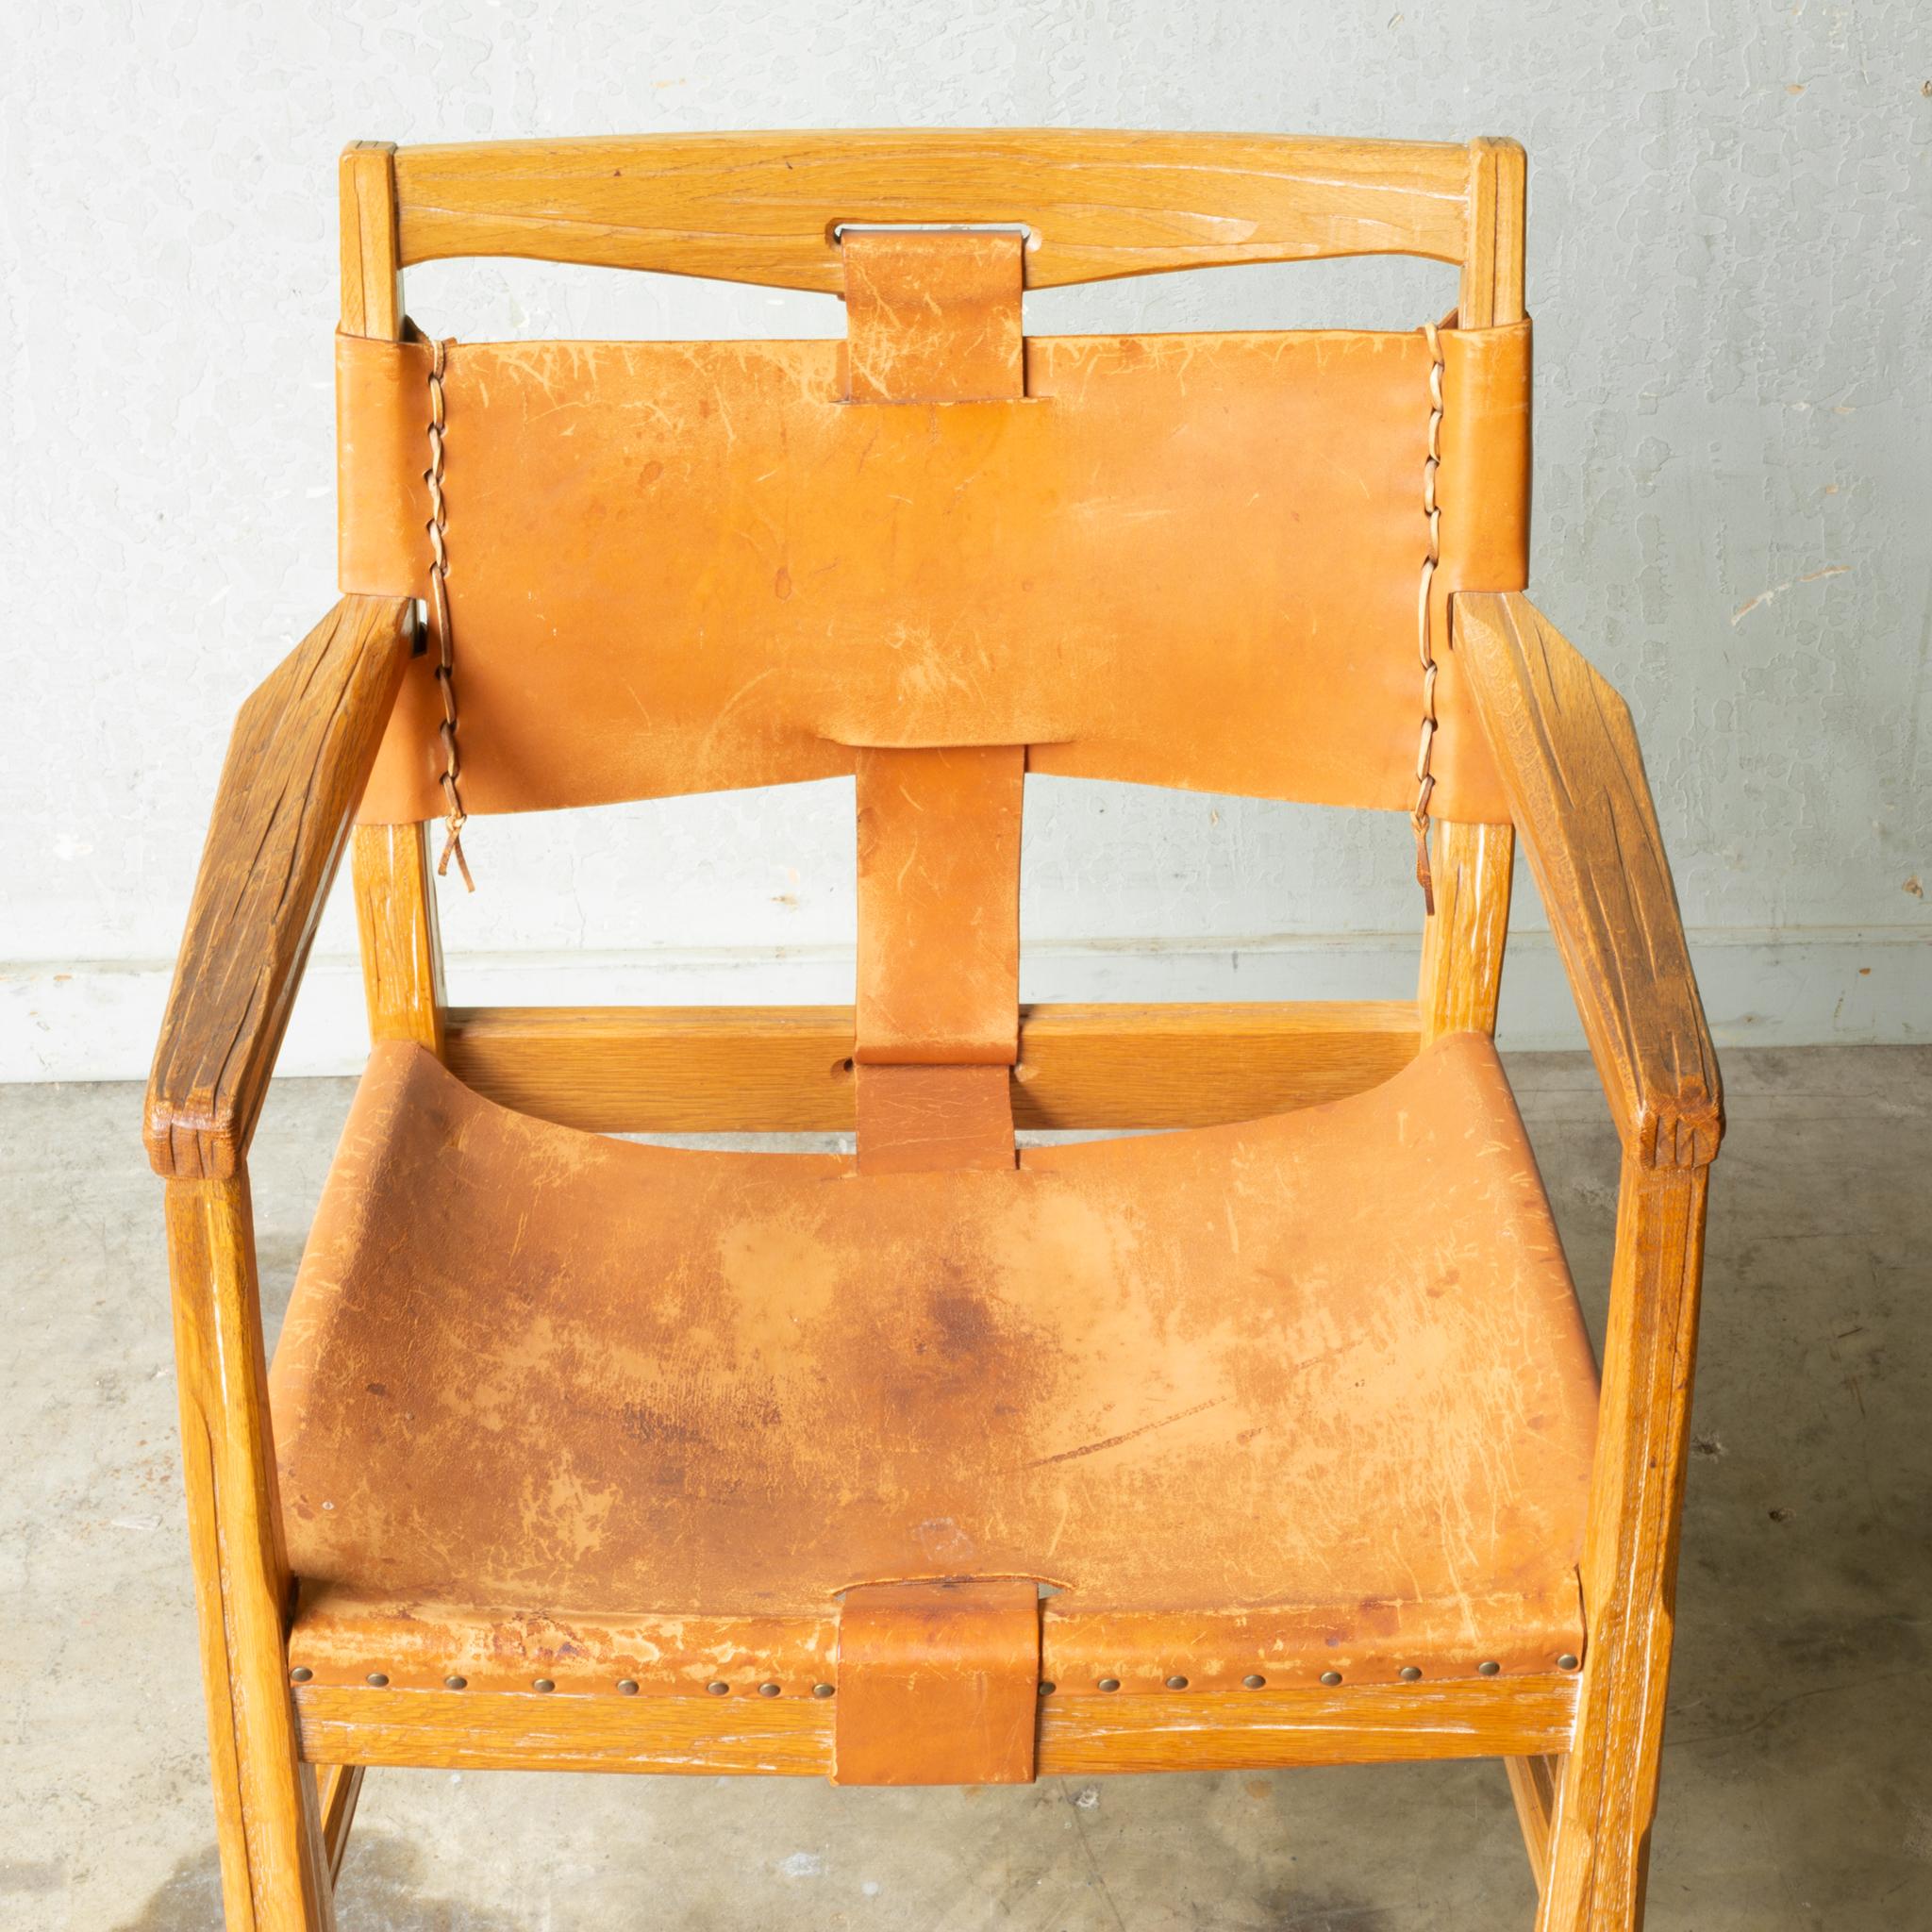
[[769, 208]]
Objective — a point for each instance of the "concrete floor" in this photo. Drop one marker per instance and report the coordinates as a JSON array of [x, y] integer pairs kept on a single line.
[[1798, 1765]]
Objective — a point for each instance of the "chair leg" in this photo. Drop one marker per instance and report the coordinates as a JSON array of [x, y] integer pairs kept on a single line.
[[338, 1786], [1599, 1857], [1533, 1782], [1463, 939], [268, 1824]]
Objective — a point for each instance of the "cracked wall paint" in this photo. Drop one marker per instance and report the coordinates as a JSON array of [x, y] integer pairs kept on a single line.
[[1730, 265]]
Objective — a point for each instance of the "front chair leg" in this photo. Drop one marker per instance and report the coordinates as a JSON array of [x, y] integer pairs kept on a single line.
[[1607, 1797], [275, 1877]]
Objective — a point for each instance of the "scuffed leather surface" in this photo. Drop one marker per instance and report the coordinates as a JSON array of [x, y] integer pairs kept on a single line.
[[1313, 1386], [933, 317], [937, 1683], [917, 1119], [1185, 561], [939, 906]]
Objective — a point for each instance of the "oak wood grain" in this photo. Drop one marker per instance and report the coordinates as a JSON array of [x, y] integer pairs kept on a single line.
[[786, 1069], [1371, 1723], [766, 208], [274, 1872], [372, 290], [1606, 1794], [1463, 940], [1533, 1786], [1179, 1731], [401, 940], [296, 763], [1490, 292], [507, 1730], [1568, 754], [339, 1788]]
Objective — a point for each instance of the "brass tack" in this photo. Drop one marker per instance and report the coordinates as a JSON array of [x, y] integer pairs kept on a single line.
[[1176, 1683], [768, 1690], [1488, 1669], [1331, 1676], [626, 1687], [455, 1683], [541, 1684], [1109, 1683], [1254, 1680], [718, 1689], [378, 1678], [825, 1690], [1566, 1662], [1046, 1690], [1409, 1674], [300, 1675]]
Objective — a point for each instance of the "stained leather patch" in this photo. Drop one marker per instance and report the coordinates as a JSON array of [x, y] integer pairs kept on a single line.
[[933, 318], [938, 1683], [922, 1120], [1250, 1407]]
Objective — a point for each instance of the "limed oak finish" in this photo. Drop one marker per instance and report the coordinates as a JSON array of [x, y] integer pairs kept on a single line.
[[311, 1678], [789, 1070], [302, 749]]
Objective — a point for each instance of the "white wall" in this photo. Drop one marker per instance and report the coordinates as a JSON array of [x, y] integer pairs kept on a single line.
[[1730, 211]]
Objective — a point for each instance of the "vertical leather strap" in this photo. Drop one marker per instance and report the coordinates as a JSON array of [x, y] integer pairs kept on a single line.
[[938, 906], [933, 317], [938, 957], [938, 1683]]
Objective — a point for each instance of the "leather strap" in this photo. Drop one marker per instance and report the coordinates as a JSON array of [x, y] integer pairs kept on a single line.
[[914, 1120], [938, 1683], [933, 318], [938, 906]]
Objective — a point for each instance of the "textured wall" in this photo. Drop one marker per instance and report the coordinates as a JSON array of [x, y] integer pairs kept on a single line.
[[1730, 208]]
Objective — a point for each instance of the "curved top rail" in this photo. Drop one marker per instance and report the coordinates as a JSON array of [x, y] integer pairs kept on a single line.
[[767, 207]]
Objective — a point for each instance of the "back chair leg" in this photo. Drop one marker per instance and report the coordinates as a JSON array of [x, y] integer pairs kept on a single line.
[[275, 1877], [1533, 1782], [338, 1788]]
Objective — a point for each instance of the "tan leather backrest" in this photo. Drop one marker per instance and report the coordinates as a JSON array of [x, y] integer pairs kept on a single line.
[[1186, 560]]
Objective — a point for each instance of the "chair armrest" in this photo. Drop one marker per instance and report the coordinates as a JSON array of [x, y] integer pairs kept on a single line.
[[301, 751], [1570, 765]]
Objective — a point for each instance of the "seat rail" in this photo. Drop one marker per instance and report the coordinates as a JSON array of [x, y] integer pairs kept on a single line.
[[694, 1070], [1267, 1729]]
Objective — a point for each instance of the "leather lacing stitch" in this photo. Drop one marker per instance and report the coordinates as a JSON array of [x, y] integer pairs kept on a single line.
[[454, 817], [1432, 512]]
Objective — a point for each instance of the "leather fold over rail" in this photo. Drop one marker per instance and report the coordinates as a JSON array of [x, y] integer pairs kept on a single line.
[[938, 1683], [933, 317], [1182, 559], [922, 1119]]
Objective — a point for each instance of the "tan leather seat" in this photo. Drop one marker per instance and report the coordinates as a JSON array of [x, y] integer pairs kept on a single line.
[[1304, 1395]]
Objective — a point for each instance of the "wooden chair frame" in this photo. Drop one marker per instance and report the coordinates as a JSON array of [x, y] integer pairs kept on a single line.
[[1582, 1748]]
